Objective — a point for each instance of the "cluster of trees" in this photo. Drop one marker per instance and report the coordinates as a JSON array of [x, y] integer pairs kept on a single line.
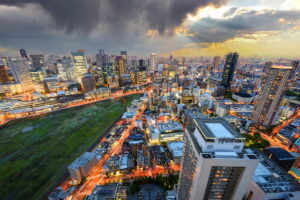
[[256, 141], [291, 93], [167, 182]]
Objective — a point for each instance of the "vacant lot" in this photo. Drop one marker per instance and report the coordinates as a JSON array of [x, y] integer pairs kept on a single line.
[[35, 152]]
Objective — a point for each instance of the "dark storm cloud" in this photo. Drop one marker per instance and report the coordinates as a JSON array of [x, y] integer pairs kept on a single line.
[[69, 15], [209, 30], [85, 15]]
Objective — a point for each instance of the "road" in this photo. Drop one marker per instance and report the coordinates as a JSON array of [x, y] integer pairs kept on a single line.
[[274, 142]]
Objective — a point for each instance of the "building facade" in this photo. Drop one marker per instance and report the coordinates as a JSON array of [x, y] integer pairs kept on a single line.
[[80, 64], [266, 108], [229, 68], [214, 164]]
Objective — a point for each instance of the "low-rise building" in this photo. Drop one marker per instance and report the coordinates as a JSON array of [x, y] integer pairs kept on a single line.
[[81, 167], [58, 194], [283, 158], [242, 97], [175, 149], [271, 182], [171, 131], [104, 192]]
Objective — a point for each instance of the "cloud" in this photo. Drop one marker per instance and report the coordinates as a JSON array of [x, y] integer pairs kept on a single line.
[[85, 15], [242, 22]]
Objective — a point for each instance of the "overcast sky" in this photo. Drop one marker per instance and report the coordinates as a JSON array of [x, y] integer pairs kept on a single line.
[[264, 28]]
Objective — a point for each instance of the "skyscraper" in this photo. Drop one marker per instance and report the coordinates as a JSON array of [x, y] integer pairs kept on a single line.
[[275, 83], [101, 58], [214, 164], [216, 61], [66, 69], [80, 64], [23, 54], [119, 66], [37, 61], [229, 68], [152, 62], [20, 72]]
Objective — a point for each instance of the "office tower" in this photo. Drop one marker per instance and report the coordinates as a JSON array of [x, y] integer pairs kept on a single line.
[[119, 66], [24, 54], [4, 77], [80, 64], [124, 55], [216, 62], [88, 82], [214, 164], [275, 83], [142, 63], [107, 70], [101, 58], [37, 61], [152, 62], [229, 68], [20, 72], [65, 69]]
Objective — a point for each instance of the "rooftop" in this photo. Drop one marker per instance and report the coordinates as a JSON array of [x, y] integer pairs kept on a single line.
[[176, 148], [82, 160], [171, 126], [216, 128], [279, 153], [271, 178]]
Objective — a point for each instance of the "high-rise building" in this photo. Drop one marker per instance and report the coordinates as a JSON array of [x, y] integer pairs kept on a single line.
[[214, 164], [24, 54], [101, 58], [229, 68], [275, 83], [107, 70], [4, 77], [37, 61], [142, 63], [80, 64], [65, 69], [20, 72], [216, 61], [124, 55], [152, 64], [119, 66]]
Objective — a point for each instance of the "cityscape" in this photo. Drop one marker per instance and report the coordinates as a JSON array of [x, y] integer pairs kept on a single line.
[[150, 100]]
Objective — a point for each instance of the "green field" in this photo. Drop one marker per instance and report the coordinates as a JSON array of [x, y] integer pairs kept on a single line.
[[31, 161]]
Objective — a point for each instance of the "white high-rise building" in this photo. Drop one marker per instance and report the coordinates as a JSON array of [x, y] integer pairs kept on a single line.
[[214, 164], [80, 64], [152, 66]]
